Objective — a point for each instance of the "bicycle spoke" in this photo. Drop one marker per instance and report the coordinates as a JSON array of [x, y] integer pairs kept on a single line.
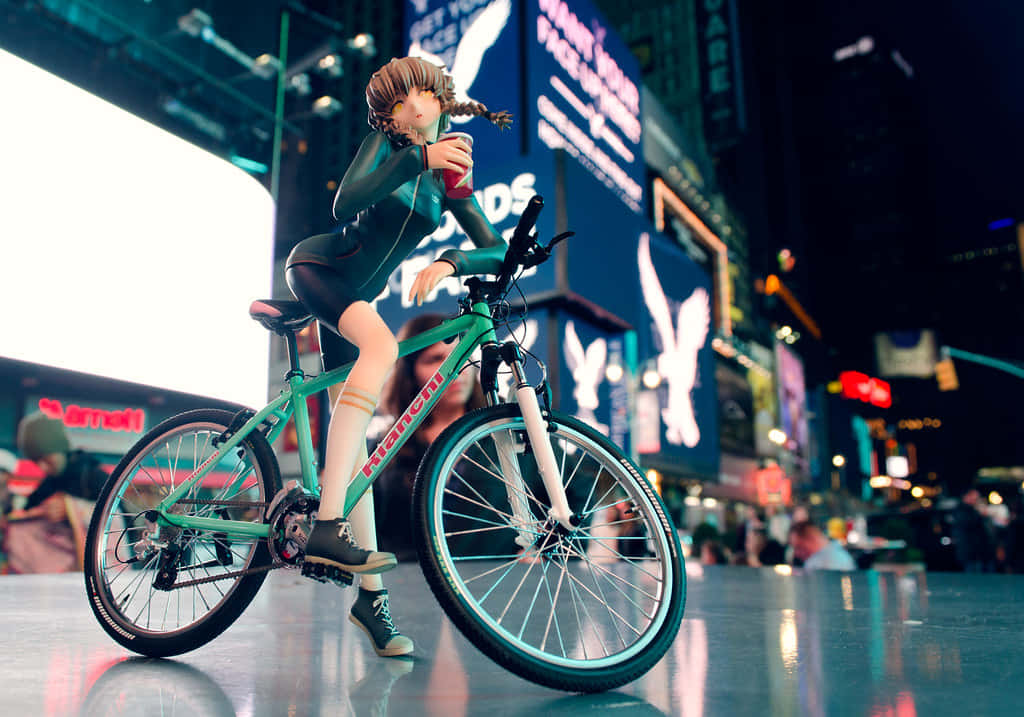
[[527, 494]]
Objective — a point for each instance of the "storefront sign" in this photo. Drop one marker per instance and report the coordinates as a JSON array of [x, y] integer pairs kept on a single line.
[[95, 427]]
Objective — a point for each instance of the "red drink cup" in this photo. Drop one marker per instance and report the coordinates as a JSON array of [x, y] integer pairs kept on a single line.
[[458, 184]]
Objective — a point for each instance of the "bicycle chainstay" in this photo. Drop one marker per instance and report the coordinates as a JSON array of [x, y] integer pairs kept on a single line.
[[236, 573]]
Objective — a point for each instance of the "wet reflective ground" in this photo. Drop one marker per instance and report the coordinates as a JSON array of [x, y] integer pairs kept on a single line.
[[753, 642]]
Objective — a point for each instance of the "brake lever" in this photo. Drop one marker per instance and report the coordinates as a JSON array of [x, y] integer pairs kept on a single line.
[[560, 237]]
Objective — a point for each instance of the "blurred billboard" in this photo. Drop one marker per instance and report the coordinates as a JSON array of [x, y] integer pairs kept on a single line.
[[130, 253]]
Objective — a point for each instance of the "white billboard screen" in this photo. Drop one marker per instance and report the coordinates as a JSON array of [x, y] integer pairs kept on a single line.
[[127, 252]]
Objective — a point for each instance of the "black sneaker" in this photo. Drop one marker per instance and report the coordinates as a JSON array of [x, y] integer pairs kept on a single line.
[[371, 612], [331, 543]]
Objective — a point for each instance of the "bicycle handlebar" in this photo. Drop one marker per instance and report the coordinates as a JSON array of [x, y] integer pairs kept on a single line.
[[523, 249]]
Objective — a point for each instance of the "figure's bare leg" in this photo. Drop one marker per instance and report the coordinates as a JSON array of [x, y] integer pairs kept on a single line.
[[346, 449]]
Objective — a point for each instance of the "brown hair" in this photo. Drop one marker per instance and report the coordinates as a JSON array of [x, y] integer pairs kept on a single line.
[[804, 529], [394, 80], [402, 386]]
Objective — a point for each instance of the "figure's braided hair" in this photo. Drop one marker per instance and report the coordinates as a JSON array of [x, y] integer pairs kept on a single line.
[[393, 81]]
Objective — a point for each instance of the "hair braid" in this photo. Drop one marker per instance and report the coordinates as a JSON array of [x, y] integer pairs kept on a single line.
[[502, 120]]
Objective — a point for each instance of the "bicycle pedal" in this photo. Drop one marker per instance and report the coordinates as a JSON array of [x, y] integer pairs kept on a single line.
[[326, 574]]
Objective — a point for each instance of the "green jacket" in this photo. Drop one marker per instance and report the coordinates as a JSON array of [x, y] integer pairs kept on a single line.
[[396, 202]]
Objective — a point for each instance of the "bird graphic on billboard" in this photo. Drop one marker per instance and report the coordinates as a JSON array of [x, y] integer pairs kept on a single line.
[[484, 30], [587, 367], [680, 343]]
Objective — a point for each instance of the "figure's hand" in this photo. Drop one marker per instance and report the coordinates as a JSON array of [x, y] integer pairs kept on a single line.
[[450, 154], [427, 279]]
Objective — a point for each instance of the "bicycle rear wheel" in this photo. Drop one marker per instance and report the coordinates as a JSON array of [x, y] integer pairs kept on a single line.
[[170, 593], [583, 610]]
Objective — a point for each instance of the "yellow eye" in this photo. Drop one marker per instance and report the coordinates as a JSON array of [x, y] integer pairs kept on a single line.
[[396, 109], [427, 93]]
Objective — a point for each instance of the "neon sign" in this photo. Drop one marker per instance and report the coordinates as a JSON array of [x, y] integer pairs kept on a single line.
[[862, 387], [132, 420]]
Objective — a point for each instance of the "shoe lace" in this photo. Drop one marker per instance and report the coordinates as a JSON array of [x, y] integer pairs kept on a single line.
[[345, 533], [382, 612]]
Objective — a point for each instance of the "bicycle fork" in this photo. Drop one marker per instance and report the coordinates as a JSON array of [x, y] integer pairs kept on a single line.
[[537, 434]]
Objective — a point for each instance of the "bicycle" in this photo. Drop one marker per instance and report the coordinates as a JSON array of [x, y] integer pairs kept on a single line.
[[508, 502]]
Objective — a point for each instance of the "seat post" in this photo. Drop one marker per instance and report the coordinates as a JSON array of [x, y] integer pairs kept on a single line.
[[293, 354]]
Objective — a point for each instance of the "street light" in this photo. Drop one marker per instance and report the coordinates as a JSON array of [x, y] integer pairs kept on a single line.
[[326, 106], [777, 436], [838, 461], [651, 377], [363, 43]]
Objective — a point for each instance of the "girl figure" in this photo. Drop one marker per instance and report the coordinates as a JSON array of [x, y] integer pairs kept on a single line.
[[396, 195]]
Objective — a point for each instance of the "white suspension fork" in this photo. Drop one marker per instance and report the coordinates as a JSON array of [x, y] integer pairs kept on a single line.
[[537, 432]]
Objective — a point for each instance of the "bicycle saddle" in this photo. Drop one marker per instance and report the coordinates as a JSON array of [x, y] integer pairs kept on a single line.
[[280, 316]]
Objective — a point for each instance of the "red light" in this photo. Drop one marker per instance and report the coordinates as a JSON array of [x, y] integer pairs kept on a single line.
[[862, 387]]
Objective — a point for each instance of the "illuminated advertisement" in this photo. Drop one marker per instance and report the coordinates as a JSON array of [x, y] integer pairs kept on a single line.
[[477, 41], [129, 253], [673, 335], [792, 397], [586, 389], [584, 84]]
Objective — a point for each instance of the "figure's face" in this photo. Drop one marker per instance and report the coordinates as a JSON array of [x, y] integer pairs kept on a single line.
[[427, 364], [420, 109]]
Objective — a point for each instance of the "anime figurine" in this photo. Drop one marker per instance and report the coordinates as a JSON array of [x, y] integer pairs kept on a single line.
[[395, 193]]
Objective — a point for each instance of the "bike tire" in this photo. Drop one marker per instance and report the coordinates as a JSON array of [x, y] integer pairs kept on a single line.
[[147, 472], [449, 560]]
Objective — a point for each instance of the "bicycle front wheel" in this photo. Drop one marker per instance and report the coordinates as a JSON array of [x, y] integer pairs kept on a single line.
[[162, 591], [583, 610]]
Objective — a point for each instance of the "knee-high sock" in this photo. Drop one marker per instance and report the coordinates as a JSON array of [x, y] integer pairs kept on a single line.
[[346, 442]]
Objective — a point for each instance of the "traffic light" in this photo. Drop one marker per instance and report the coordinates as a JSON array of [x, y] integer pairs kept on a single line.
[[945, 374]]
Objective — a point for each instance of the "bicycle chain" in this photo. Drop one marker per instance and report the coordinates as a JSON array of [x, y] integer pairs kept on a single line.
[[224, 503], [227, 576]]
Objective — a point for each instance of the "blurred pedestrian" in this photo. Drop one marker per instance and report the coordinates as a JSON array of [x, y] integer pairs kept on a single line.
[[751, 522], [971, 535], [48, 535], [8, 464], [778, 524], [816, 550], [712, 552]]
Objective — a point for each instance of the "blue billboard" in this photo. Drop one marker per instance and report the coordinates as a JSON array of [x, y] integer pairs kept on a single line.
[[581, 92], [477, 41]]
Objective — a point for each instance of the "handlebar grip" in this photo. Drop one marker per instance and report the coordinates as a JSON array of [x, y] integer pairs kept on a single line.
[[529, 217]]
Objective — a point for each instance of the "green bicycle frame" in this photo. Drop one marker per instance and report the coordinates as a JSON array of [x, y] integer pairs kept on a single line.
[[475, 328]]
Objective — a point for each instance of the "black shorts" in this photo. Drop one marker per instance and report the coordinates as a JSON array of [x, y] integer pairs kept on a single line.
[[326, 294]]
